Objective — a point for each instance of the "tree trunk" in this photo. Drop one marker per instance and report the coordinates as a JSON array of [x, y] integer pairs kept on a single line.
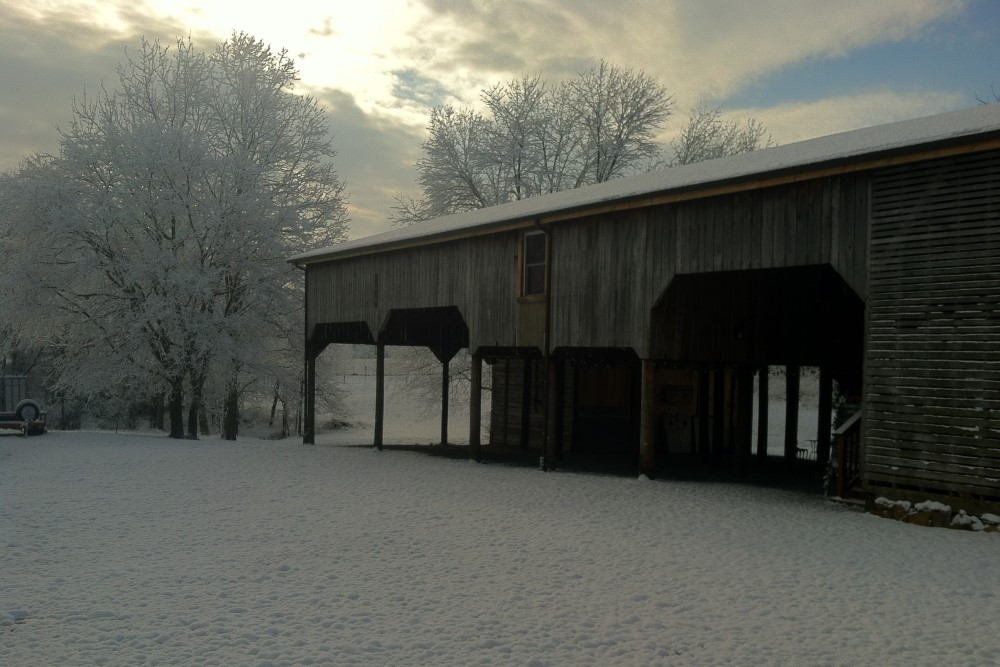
[[197, 391], [158, 414], [274, 404], [284, 420], [177, 408], [300, 405], [230, 413], [192, 421]]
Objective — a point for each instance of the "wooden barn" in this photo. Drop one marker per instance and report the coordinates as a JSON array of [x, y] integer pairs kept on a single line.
[[626, 321]]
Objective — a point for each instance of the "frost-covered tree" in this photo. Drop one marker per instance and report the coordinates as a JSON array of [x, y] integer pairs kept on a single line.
[[621, 111], [708, 135], [150, 250], [533, 138]]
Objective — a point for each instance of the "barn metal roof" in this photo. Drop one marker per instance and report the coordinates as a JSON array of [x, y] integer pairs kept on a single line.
[[856, 146]]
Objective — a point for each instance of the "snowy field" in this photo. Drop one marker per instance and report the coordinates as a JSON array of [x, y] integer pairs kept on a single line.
[[126, 549]]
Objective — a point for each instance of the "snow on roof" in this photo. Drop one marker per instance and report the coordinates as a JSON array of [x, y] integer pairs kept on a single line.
[[836, 148]]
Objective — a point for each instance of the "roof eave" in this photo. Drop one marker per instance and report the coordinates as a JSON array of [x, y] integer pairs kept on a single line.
[[784, 174]]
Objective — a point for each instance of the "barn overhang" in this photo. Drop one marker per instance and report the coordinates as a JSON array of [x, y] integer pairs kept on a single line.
[[441, 329], [800, 316]]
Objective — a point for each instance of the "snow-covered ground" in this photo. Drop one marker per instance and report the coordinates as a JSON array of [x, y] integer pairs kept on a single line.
[[122, 549]]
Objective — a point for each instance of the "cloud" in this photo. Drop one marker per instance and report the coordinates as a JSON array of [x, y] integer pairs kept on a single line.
[[799, 121], [51, 59], [43, 71], [701, 50], [375, 156], [413, 87]]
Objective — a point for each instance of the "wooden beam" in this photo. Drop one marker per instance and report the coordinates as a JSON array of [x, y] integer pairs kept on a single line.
[[744, 418], [379, 391], [309, 381], [762, 406], [506, 404], [475, 407], [825, 416], [445, 382], [526, 386], [703, 410], [718, 415], [553, 401], [730, 414], [791, 413], [647, 420]]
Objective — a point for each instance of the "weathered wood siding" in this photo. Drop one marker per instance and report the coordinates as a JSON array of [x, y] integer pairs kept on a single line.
[[932, 395], [509, 401], [608, 271], [478, 275]]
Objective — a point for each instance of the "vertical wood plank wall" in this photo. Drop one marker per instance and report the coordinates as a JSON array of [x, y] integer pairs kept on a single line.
[[479, 275], [607, 270], [508, 401], [932, 400]]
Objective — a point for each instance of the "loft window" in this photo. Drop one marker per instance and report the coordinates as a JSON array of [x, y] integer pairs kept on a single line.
[[533, 280]]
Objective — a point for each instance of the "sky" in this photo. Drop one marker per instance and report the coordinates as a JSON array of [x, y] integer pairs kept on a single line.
[[804, 68]]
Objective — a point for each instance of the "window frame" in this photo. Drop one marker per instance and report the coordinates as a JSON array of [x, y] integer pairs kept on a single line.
[[523, 281]]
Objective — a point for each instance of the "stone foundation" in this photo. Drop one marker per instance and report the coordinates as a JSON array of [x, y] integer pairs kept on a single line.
[[934, 514]]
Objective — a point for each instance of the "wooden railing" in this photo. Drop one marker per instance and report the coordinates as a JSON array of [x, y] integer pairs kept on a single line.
[[847, 440]]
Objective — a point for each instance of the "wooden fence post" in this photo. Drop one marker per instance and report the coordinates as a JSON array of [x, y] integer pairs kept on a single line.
[[379, 391], [791, 413], [647, 420], [445, 382], [762, 406], [475, 407]]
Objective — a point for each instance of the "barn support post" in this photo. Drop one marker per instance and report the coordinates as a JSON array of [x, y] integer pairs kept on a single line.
[[718, 415], [475, 407], [647, 420], [731, 414], [704, 421], [309, 373], [445, 383], [505, 423], [553, 404], [824, 418], [791, 413], [379, 391], [526, 396], [762, 406], [744, 418], [309, 407]]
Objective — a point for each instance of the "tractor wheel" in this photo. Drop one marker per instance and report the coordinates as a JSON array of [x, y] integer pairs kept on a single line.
[[27, 411]]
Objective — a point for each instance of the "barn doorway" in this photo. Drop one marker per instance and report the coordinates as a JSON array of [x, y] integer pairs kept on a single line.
[[729, 328]]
